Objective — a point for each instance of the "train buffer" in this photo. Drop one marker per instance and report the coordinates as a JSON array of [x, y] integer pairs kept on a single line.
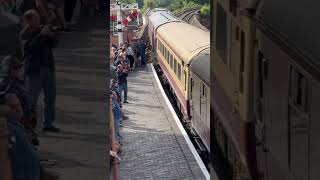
[[153, 145]]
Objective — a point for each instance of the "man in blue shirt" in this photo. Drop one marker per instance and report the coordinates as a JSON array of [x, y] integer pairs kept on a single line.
[[117, 114], [25, 162]]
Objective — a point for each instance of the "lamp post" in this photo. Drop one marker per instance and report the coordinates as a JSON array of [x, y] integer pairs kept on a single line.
[[119, 24]]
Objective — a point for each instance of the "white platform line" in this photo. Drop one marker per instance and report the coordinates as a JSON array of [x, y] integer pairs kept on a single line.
[[184, 133]]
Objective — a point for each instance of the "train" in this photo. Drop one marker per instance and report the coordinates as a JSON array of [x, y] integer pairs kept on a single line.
[[183, 53], [265, 90]]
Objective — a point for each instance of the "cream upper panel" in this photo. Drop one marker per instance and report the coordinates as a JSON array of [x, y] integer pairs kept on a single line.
[[184, 39]]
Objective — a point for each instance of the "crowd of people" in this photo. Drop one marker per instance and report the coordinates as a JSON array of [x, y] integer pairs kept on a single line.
[[26, 73], [123, 59]]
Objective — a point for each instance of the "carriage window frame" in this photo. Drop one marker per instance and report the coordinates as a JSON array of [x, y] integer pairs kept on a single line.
[[185, 79], [204, 90], [167, 54], [179, 71], [171, 61], [242, 61], [162, 49], [298, 90], [175, 65]]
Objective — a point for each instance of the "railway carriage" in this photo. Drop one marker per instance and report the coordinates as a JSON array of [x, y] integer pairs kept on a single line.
[[287, 91], [157, 18], [231, 85], [265, 90], [178, 44], [183, 53], [200, 96]]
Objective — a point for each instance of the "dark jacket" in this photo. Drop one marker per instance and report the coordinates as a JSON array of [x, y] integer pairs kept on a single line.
[[25, 161], [37, 51], [122, 77], [18, 87]]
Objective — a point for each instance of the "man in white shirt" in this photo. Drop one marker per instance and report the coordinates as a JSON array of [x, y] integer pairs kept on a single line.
[[130, 55]]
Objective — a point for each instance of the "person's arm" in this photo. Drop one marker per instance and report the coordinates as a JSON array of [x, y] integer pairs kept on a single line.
[[32, 43], [42, 8]]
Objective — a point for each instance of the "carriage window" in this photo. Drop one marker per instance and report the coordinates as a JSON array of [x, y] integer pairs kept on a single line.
[[192, 84], [298, 89], [179, 71], [162, 49], [175, 66], [204, 93], [167, 55], [185, 80], [260, 74], [171, 61], [221, 33], [242, 56]]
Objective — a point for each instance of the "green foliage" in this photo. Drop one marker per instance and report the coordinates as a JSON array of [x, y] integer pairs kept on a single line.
[[185, 6], [128, 1], [176, 6], [205, 10]]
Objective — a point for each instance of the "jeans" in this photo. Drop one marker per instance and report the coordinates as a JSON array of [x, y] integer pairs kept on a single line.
[[117, 129], [45, 81], [143, 58], [123, 87]]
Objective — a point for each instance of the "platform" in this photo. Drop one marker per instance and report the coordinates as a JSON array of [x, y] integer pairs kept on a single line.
[[80, 150], [153, 145]]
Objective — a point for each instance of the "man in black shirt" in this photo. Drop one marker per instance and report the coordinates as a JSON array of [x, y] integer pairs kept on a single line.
[[37, 46]]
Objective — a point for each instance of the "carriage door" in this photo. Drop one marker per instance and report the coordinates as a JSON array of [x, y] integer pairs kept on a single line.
[[262, 123], [298, 125]]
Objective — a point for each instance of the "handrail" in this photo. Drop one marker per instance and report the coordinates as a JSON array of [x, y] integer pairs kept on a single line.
[[114, 146], [5, 167]]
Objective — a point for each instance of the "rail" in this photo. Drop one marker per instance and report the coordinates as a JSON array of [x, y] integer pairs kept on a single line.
[[114, 147], [5, 170]]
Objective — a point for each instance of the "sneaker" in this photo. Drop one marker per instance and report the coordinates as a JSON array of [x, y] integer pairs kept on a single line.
[[50, 129], [125, 102], [47, 162], [120, 124]]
